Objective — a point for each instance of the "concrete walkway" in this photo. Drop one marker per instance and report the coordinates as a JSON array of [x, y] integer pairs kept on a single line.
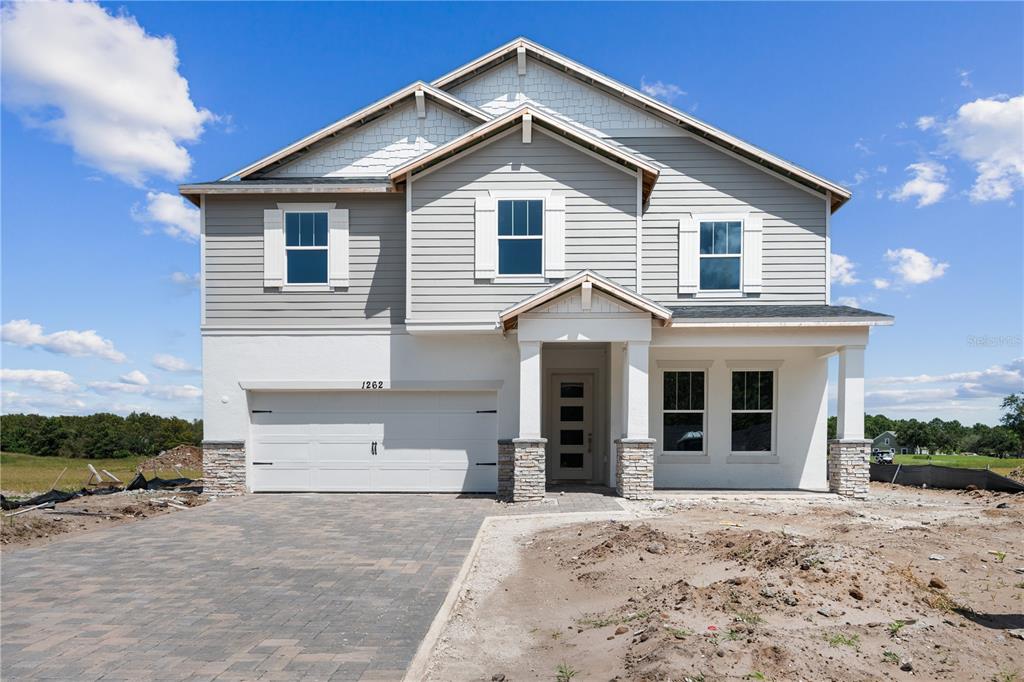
[[268, 587]]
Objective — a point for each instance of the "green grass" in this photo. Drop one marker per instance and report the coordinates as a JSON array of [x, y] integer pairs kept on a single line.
[[28, 473], [839, 639], [996, 464]]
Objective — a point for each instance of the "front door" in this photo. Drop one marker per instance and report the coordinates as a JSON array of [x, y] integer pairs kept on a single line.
[[571, 442]]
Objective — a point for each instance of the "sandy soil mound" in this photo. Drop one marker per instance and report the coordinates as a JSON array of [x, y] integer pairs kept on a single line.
[[892, 589], [182, 456]]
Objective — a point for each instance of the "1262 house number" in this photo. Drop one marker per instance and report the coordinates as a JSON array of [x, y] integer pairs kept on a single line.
[[373, 385]]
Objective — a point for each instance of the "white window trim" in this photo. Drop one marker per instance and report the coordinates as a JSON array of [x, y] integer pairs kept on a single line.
[[681, 455], [527, 278], [713, 217], [306, 208], [741, 456]]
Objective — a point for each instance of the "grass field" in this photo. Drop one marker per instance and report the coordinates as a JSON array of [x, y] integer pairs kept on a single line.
[[28, 473], [1000, 466]]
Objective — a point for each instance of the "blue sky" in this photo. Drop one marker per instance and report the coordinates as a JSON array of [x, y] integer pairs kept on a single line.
[[916, 107]]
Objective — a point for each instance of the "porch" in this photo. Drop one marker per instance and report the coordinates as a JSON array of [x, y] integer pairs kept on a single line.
[[612, 393]]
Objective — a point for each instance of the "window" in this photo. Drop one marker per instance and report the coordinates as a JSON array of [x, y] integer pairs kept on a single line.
[[520, 237], [305, 240], [683, 411], [753, 406], [720, 247]]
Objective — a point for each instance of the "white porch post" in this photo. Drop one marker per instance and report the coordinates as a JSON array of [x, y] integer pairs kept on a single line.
[[850, 419], [634, 452], [529, 389], [634, 386], [849, 467]]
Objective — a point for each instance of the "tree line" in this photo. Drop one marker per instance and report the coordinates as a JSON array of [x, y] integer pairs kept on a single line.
[[96, 435], [951, 436]]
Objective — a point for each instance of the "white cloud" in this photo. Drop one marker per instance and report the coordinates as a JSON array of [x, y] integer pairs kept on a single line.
[[160, 391], [172, 363], [955, 390], [925, 122], [928, 185], [858, 178], [880, 283], [47, 379], [135, 377], [12, 401], [666, 92], [861, 146], [965, 78], [843, 270], [172, 213], [989, 133], [848, 300], [914, 267], [102, 84], [26, 334], [185, 280]]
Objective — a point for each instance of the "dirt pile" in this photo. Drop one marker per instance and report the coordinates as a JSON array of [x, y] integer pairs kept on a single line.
[[181, 456], [907, 586], [1016, 474], [85, 514]]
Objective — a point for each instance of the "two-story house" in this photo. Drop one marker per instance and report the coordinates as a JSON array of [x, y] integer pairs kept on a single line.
[[524, 272]]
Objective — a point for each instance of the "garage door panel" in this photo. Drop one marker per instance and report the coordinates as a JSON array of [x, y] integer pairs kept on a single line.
[[280, 479], [443, 442]]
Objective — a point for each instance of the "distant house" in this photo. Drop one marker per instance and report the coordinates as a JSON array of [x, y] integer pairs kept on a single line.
[[887, 441]]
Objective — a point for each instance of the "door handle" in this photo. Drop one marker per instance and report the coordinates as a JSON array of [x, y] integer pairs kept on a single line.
[[590, 442]]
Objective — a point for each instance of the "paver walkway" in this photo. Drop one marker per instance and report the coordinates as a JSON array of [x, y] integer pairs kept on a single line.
[[269, 587]]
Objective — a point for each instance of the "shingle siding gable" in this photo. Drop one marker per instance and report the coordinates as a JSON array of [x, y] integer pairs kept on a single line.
[[381, 145], [501, 89]]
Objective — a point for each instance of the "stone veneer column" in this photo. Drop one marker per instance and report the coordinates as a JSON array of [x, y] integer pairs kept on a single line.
[[223, 467], [849, 467], [634, 468], [522, 474]]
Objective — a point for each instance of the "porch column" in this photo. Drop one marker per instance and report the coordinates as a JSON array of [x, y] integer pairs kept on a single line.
[[634, 452], [529, 389], [635, 386], [522, 474], [849, 465], [850, 422]]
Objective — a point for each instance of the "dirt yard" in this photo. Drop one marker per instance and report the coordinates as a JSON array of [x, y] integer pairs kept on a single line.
[[85, 514], [913, 584]]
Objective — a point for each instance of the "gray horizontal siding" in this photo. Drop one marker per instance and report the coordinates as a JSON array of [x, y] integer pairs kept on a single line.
[[600, 223], [697, 178], [234, 264]]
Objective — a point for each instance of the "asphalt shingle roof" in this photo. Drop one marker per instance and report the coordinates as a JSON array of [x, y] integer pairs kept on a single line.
[[768, 312]]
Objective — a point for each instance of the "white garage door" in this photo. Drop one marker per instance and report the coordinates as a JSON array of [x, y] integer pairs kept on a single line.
[[374, 441]]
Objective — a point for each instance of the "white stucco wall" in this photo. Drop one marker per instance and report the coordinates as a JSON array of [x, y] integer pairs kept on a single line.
[[800, 414], [392, 358]]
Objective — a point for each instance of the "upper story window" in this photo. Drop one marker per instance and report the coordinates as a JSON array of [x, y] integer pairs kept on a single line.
[[520, 237], [720, 253], [305, 243]]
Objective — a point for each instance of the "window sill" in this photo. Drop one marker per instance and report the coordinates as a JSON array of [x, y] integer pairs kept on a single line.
[[718, 294], [519, 279], [681, 457], [752, 458], [306, 288]]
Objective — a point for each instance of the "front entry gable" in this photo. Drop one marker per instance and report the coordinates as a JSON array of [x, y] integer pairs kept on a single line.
[[585, 295]]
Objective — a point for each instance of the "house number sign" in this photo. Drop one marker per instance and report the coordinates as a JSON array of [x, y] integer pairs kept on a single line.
[[373, 385]]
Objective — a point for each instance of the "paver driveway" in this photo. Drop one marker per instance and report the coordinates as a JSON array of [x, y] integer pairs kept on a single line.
[[275, 587]]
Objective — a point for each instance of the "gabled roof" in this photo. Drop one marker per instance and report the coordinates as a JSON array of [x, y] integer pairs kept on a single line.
[[509, 316], [839, 195], [361, 117], [511, 119]]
